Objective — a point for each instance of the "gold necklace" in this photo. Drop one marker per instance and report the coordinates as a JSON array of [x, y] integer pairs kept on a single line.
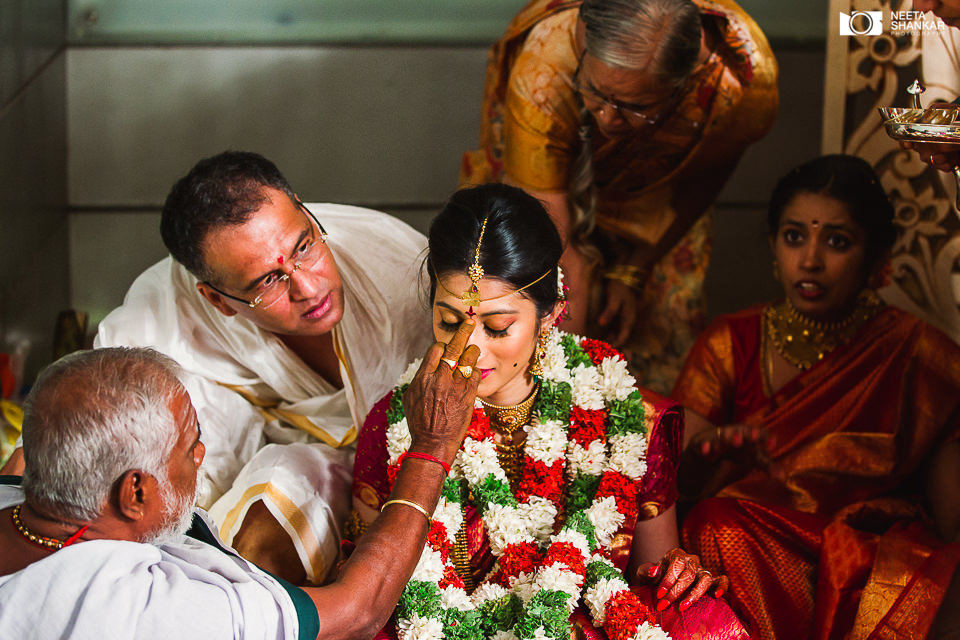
[[803, 342], [507, 420], [43, 541]]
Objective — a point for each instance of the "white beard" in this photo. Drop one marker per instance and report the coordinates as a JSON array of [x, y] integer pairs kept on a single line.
[[177, 512]]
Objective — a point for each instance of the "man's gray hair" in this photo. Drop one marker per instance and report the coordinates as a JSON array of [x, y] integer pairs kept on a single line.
[[662, 35], [91, 417]]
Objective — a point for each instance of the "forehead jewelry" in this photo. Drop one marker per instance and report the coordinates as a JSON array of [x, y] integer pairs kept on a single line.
[[471, 297]]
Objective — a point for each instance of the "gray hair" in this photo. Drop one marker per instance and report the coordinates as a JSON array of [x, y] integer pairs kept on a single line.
[[91, 417], [662, 35]]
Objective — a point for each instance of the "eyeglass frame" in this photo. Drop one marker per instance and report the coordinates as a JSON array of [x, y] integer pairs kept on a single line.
[[624, 109], [253, 304]]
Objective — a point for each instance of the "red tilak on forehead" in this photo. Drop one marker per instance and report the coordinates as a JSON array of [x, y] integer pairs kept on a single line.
[[280, 260]]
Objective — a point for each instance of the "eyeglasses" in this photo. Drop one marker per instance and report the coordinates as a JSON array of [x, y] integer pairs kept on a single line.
[[631, 112], [275, 286]]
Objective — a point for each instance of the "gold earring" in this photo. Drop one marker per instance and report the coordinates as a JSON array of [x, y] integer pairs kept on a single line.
[[776, 270], [539, 354]]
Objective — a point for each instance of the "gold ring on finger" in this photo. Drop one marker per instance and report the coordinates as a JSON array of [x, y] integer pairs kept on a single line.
[[704, 571], [449, 361], [465, 370]]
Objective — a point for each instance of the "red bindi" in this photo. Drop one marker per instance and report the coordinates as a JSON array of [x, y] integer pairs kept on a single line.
[[280, 260]]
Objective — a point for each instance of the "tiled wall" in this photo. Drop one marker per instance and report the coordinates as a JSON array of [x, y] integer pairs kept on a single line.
[[379, 126], [34, 258]]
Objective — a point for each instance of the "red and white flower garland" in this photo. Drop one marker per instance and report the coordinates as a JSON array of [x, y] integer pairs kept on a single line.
[[585, 453]]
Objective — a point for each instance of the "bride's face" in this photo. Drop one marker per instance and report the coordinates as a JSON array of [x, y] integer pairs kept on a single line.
[[506, 333]]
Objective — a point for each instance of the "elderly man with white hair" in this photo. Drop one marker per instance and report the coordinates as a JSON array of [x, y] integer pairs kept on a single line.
[[97, 546]]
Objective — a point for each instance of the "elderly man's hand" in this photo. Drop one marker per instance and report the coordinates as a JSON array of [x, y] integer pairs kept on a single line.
[[439, 401]]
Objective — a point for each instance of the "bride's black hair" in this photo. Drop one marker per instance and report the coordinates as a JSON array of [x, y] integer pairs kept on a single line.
[[520, 243]]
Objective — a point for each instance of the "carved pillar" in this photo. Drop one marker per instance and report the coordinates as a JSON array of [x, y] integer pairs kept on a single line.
[[868, 71]]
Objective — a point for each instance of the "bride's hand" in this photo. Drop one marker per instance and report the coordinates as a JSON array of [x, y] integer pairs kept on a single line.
[[679, 576]]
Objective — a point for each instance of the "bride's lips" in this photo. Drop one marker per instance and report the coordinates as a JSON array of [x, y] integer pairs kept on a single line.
[[318, 311], [485, 372]]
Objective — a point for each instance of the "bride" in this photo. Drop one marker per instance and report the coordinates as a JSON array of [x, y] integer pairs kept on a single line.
[[559, 509]]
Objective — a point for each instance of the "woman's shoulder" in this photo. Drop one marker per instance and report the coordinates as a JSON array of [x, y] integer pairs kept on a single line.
[[739, 324]]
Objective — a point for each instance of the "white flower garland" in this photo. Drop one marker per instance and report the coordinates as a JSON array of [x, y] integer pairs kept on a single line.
[[569, 566]]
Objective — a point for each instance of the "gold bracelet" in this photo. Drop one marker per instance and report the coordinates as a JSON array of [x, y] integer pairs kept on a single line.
[[409, 504], [630, 275]]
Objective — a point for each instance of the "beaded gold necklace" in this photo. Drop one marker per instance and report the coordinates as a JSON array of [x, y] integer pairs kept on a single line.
[[42, 541], [803, 342], [507, 420]]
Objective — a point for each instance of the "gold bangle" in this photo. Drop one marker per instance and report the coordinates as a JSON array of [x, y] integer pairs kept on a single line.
[[409, 504], [630, 275]]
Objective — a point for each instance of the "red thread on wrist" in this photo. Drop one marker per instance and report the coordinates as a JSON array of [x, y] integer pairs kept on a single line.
[[424, 456]]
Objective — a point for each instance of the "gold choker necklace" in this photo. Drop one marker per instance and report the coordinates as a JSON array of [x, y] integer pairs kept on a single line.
[[509, 419], [803, 342], [42, 541]]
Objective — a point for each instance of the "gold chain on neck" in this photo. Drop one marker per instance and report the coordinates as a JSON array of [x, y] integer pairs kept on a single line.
[[506, 420], [43, 541], [803, 342]]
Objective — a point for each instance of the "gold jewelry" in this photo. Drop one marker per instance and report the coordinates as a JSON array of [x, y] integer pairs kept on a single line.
[[509, 419], [510, 456], [629, 274], [803, 342], [465, 370], [471, 297], [43, 541], [460, 554], [539, 355], [704, 571], [776, 270], [449, 361], [409, 504]]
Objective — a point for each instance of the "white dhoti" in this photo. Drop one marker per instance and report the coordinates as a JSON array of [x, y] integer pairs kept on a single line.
[[251, 391]]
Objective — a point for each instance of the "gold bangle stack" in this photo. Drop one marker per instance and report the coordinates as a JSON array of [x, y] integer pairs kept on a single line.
[[631, 275], [409, 504]]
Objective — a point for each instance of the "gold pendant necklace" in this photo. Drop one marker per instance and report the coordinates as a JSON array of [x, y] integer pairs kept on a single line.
[[506, 420], [803, 342], [509, 419]]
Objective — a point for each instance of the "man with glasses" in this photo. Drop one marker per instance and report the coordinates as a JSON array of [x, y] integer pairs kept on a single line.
[[291, 321], [626, 118]]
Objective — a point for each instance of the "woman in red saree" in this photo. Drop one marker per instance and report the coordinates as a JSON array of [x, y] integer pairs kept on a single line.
[[847, 527], [497, 246]]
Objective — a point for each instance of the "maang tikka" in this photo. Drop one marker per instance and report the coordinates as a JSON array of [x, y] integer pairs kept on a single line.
[[471, 297]]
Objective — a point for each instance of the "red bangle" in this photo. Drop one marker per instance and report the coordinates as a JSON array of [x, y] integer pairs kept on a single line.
[[424, 456]]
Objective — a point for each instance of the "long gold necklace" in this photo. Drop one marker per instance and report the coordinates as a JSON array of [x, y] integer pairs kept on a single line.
[[803, 342], [506, 420]]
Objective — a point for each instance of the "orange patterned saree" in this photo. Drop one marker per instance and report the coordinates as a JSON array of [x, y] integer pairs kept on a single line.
[[529, 134], [833, 541]]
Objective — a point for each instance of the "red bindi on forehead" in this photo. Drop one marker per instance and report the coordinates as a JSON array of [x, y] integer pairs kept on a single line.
[[280, 260]]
